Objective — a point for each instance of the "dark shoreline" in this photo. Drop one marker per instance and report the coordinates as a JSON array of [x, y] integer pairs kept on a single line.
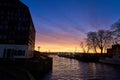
[[33, 69]]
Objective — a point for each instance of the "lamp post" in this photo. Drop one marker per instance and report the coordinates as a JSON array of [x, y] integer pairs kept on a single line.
[[39, 48], [75, 49]]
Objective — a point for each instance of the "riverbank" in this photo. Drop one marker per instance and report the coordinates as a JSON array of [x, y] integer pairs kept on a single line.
[[86, 57]]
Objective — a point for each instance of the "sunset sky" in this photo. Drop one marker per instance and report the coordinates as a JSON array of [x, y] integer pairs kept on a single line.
[[62, 24]]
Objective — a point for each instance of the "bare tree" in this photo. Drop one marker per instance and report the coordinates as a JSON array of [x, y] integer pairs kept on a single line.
[[99, 39], [88, 47], [85, 47], [103, 38], [116, 31], [91, 40]]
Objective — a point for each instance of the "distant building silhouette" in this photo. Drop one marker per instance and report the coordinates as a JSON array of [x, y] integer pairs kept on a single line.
[[114, 50], [17, 32]]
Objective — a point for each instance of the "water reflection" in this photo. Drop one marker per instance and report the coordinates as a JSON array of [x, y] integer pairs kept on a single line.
[[70, 69]]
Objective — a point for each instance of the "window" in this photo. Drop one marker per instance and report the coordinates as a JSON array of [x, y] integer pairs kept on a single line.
[[13, 52], [20, 53]]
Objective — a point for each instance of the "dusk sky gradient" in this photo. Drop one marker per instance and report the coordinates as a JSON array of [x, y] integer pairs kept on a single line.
[[62, 24]]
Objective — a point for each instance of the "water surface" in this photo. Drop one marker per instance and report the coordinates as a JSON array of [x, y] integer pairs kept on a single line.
[[71, 69]]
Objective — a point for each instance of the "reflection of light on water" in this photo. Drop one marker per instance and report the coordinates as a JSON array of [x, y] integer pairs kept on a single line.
[[70, 69], [66, 69], [92, 68]]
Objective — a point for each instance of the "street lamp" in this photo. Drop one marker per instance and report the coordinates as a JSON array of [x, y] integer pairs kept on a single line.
[[39, 48]]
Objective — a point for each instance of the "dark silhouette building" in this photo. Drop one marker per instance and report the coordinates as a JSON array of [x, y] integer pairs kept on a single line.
[[114, 50], [17, 32]]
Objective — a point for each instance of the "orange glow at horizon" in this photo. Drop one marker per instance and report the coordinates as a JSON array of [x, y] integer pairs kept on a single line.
[[62, 42], [46, 47]]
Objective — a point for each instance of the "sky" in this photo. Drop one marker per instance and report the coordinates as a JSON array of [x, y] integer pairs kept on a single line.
[[61, 25]]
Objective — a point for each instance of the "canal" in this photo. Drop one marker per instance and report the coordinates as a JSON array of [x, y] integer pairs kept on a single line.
[[71, 69]]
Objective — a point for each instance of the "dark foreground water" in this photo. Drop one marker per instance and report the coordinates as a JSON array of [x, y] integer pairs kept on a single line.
[[70, 69]]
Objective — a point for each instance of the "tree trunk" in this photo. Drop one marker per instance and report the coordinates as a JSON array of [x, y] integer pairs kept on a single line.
[[95, 50], [101, 50]]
